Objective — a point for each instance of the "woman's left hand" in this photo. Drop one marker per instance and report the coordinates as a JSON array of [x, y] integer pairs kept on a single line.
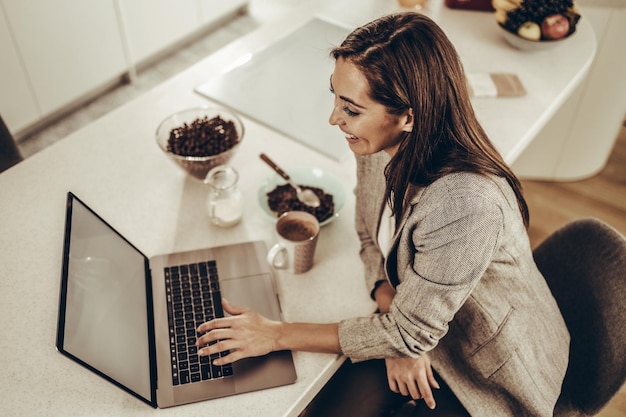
[[412, 377], [245, 334]]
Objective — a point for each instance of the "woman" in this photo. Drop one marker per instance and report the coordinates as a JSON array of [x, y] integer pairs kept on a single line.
[[442, 223]]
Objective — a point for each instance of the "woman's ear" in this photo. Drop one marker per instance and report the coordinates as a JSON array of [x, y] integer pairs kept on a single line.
[[408, 121]]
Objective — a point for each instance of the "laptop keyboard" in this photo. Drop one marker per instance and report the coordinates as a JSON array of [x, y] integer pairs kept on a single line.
[[193, 297]]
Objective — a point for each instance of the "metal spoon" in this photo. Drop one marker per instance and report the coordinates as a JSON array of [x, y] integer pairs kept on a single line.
[[307, 197]]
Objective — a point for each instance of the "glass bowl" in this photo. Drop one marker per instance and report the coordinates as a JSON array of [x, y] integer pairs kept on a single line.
[[198, 166]]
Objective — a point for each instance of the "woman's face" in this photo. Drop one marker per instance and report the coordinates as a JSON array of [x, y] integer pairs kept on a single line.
[[369, 128]]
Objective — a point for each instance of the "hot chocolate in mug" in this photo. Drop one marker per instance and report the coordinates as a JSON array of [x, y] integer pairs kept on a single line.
[[296, 232]]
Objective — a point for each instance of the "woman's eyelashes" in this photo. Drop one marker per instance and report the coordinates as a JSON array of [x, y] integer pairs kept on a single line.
[[349, 112], [345, 107]]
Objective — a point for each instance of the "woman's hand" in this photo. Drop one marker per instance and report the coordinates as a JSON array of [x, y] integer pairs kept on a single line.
[[384, 296], [246, 333], [412, 377]]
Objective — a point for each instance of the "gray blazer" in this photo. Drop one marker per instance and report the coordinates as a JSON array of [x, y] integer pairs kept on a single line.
[[467, 292]]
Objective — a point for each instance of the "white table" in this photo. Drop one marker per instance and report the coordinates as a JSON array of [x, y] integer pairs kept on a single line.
[[115, 166]]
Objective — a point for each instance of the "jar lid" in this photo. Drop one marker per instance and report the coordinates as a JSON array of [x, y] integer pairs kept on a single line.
[[222, 177]]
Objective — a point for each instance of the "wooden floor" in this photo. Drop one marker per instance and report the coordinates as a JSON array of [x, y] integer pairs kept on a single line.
[[553, 204]]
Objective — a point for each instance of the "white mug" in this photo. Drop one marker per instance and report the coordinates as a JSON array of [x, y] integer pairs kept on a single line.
[[297, 233]]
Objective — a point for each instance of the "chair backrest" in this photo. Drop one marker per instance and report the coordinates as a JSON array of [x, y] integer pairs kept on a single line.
[[584, 264], [9, 153]]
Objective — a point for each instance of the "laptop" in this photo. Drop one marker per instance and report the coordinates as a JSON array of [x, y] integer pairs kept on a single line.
[[132, 320]]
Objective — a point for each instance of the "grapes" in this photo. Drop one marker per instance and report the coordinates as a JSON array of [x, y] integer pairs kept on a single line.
[[537, 10]]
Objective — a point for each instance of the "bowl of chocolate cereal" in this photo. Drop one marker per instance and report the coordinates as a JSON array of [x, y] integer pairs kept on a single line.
[[275, 196], [200, 138]]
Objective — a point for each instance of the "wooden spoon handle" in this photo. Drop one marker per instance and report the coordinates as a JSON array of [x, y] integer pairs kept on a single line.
[[275, 167]]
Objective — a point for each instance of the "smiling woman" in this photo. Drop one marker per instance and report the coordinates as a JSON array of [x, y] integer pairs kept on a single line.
[[442, 225], [368, 126]]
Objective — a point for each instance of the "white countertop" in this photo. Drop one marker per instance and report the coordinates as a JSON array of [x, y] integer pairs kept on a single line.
[[115, 166]]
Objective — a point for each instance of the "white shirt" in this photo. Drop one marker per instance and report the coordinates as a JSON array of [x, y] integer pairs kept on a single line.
[[386, 230]]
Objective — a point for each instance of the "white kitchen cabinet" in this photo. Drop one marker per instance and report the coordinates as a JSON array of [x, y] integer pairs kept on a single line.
[[577, 142], [56, 54], [17, 101], [68, 47], [602, 107], [152, 24], [210, 10]]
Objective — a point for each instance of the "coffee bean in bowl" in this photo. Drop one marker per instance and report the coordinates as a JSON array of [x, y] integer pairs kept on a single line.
[[199, 139], [275, 196], [283, 198]]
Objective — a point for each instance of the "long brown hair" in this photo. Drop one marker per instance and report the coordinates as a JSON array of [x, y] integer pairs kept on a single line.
[[410, 63]]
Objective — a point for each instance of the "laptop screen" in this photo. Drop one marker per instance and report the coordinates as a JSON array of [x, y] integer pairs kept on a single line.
[[105, 303]]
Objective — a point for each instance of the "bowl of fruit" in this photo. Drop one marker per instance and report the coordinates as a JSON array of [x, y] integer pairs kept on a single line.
[[535, 25]]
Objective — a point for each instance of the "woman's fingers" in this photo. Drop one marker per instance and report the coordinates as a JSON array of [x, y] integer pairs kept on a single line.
[[233, 356], [232, 309], [424, 387], [225, 321], [431, 379], [393, 384], [217, 340], [409, 389], [207, 326], [412, 377], [405, 388], [243, 334], [413, 390]]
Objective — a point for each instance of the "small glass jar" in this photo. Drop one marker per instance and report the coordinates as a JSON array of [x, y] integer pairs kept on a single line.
[[416, 4], [224, 202]]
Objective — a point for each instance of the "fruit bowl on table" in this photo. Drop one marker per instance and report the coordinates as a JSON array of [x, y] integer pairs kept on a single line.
[[201, 138], [536, 25], [526, 44]]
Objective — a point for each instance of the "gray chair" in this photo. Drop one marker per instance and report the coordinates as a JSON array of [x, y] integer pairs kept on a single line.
[[9, 153], [584, 264]]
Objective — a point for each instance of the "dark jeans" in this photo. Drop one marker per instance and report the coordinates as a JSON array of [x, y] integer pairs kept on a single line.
[[361, 390]]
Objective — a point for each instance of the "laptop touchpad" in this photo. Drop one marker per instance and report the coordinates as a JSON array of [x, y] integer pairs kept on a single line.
[[255, 292]]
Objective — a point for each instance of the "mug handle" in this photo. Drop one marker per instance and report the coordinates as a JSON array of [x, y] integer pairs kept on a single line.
[[273, 254]]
